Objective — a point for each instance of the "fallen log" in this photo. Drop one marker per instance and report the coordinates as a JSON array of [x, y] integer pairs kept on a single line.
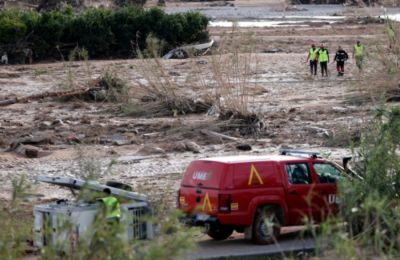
[[58, 94], [216, 135]]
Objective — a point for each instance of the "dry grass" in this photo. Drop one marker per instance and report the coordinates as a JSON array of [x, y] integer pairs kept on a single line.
[[233, 69], [160, 94], [222, 84], [383, 82]]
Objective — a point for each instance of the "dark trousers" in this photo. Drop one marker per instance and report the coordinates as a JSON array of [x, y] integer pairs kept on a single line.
[[313, 67], [324, 68], [340, 66]]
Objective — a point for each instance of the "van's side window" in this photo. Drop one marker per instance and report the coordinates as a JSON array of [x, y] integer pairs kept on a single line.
[[298, 173], [327, 173]]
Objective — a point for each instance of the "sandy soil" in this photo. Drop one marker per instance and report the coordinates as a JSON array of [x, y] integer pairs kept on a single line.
[[299, 111]]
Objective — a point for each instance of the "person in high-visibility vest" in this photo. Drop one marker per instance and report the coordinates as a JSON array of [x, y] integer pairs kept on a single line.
[[358, 54], [312, 57], [111, 207], [323, 58]]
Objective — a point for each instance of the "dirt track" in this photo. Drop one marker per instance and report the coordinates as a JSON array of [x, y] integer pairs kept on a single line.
[[299, 111]]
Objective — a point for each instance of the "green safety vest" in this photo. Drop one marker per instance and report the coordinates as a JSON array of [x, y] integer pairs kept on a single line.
[[358, 50], [112, 208], [313, 53], [323, 55]]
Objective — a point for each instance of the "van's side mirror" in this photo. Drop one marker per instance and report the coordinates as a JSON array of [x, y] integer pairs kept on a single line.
[[346, 162]]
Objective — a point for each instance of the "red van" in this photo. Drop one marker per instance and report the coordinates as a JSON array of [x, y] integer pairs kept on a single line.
[[258, 194]]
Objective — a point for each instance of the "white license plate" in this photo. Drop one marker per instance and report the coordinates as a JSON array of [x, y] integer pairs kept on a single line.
[[202, 217]]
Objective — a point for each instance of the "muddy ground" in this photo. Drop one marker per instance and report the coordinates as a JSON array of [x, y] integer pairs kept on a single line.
[[76, 136]]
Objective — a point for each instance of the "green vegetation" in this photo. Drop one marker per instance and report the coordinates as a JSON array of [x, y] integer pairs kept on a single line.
[[16, 220], [104, 32], [370, 212], [172, 239]]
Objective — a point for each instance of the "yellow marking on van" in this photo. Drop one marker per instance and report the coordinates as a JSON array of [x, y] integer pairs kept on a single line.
[[253, 170], [234, 206], [207, 203]]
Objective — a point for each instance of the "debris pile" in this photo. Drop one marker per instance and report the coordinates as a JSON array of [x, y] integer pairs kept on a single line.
[[246, 124], [109, 87], [106, 88], [164, 105]]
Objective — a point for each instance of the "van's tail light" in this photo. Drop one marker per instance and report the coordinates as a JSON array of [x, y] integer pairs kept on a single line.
[[224, 203]]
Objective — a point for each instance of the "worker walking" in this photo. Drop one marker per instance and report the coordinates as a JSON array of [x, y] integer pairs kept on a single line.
[[312, 57], [111, 207], [104, 235], [340, 58], [323, 58], [358, 55]]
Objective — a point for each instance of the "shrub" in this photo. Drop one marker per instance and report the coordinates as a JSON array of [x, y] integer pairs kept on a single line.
[[103, 32], [12, 27], [50, 31], [369, 207], [92, 31]]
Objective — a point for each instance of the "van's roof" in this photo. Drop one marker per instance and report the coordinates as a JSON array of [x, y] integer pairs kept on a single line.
[[252, 158]]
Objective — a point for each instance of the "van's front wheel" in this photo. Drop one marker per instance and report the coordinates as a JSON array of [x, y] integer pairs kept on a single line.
[[266, 226], [220, 232]]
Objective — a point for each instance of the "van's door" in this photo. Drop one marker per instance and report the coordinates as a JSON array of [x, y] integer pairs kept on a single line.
[[327, 175], [201, 185], [300, 193]]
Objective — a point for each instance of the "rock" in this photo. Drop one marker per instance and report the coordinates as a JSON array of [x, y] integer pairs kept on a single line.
[[272, 50], [151, 149], [86, 120], [58, 122], [115, 139], [27, 150], [73, 138], [321, 132], [45, 125], [184, 146], [243, 147], [39, 139], [112, 152], [148, 98], [342, 110], [179, 147], [31, 151], [192, 146], [174, 73], [19, 149]]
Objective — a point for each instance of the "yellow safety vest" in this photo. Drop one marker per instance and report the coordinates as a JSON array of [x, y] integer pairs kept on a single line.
[[358, 50], [112, 208], [313, 53], [323, 55]]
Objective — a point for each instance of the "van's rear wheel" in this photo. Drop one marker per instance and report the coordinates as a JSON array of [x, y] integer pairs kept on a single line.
[[266, 226], [220, 232]]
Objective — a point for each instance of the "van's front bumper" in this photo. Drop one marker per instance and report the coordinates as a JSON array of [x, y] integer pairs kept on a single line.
[[199, 220]]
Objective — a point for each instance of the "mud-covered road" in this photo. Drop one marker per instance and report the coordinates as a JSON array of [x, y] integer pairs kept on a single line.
[[292, 242]]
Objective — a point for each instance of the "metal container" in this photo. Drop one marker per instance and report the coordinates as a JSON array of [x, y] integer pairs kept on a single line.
[[63, 224]]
